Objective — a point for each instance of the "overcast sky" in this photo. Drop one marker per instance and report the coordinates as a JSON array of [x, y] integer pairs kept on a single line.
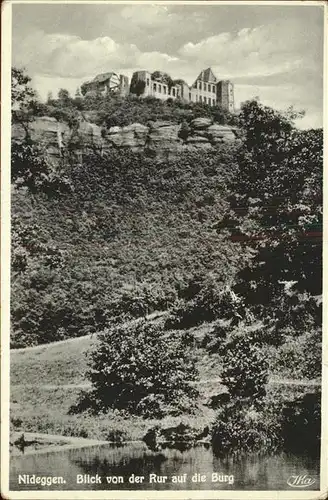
[[274, 52]]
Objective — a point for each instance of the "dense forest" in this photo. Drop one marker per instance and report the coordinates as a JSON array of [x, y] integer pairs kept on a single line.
[[230, 238]]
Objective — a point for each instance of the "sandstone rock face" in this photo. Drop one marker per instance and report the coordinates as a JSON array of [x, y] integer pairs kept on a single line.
[[18, 133], [196, 138], [132, 136], [159, 124], [198, 142], [201, 123], [220, 133], [158, 137], [163, 136], [90, 116], [90, 134], [47, 132], [114, 137]]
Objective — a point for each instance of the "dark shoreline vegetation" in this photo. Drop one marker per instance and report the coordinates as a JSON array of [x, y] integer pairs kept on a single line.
[[227, 243]]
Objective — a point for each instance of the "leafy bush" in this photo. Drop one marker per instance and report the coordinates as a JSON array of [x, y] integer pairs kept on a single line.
[[241, 428], [30, 169], [299, 357], [245, 368], [206, 300], [288, 418], [141, 370]]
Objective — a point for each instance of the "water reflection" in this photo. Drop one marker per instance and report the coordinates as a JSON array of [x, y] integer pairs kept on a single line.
[[254, 472]]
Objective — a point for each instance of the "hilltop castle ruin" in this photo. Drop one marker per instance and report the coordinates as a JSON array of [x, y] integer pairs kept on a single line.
[[206, 89]]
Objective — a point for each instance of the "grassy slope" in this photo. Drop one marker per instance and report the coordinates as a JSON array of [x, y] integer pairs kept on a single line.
[[47, 380], [56, 364]]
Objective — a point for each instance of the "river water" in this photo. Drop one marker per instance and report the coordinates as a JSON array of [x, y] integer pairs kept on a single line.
[[196, 468]]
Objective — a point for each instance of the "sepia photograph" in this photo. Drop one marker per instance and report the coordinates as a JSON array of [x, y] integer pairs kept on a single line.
[[162, 250]]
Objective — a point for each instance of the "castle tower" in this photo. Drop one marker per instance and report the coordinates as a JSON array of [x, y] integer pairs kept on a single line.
[[137, 88], [124, 85], [225, 95]]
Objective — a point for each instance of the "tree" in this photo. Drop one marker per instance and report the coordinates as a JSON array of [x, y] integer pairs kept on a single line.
[[84, 88], [22, 94], [138, 368], [164, 78], [24, 101], [245, 367], [276, 210], [30, 169], [28, 248], [63, 95]]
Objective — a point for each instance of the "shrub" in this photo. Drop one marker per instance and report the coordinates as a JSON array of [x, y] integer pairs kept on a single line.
[[206, 300], [139, 369], [30, 169], [285, 415], [184, 131], [245, 368], [299, 357], [242, 428]]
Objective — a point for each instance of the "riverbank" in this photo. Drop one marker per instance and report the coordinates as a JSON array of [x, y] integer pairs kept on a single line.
[[31, 443]]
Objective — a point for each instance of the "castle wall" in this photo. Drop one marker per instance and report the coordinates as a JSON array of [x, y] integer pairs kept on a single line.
[[155, 88], [205, 90]]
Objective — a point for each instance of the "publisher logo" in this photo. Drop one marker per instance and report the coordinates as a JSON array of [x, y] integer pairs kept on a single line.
[[300, 481]]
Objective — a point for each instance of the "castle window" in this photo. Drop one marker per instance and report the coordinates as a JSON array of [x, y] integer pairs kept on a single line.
[[164, 89], [200, 85], [213, 88], [173, 92], [147, 82], [200, 98], [159, 88], [205, 87], [189, 96], [213, 102], [155, 87]]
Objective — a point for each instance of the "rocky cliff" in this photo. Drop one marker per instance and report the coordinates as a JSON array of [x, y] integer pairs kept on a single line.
[[159, 137]]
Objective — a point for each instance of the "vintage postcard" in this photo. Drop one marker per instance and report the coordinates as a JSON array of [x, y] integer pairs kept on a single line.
[[163, 250]]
